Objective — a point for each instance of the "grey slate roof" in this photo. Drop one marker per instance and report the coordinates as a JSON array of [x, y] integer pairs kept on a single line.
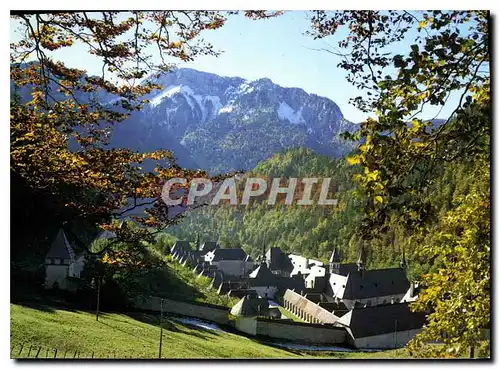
[[278, 260], [382, 319], [229, 254], [333, 306], [296, 283], [345, 269], [262, 276], [250, 305], [106, 235], [182, 246], [60, 247], [209, 246], [377, 282]]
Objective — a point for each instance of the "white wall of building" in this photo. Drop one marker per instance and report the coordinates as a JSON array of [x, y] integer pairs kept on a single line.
[[300, 264], [315, 271], [75, 269], [56, 274], [338, 283]]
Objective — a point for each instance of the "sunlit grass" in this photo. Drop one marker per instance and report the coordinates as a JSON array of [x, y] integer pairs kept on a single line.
[[123, 336]]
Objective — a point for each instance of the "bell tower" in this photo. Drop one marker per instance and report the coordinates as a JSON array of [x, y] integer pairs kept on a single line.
[[334, 262]]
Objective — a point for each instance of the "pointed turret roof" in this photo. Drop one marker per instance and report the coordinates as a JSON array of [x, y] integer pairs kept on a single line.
[[60, 247], [335, 258], [262, 276]]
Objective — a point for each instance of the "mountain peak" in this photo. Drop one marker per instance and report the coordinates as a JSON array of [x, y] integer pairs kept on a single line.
[[233, 123]]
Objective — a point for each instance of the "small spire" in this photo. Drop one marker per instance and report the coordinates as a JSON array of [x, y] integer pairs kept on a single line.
[[264, 250], [402, 263], [361, 260], [335, 258]]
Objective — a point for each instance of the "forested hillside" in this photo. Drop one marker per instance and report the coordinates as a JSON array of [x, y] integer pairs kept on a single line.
[[315, 230]]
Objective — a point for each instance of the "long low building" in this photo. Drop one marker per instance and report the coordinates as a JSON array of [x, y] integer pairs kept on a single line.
[[381, 327], [306, 309]]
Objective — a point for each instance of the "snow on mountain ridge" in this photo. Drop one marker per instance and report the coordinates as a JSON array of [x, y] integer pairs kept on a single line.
[[194, 100], [169, 91], [285, 112]]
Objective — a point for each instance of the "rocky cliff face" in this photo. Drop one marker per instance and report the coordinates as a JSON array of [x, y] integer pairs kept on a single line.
[[220, 123]]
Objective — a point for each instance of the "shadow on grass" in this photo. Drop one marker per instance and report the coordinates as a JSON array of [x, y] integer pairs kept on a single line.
[[152, 319], [47, 306]]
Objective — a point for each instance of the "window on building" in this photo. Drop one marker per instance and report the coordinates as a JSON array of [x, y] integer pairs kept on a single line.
[[48, 261], [57, 261]]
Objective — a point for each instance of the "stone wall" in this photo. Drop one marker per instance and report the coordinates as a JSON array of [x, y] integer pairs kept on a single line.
[[386, 341], [214, 313], [292, 331], [246, 325], [306, 309]]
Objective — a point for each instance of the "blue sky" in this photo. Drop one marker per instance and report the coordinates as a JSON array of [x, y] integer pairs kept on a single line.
[[275, 48]]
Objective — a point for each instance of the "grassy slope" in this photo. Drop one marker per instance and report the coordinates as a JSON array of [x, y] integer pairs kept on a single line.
[[289, 314], [137, 336], [186, 285], [122, 336]]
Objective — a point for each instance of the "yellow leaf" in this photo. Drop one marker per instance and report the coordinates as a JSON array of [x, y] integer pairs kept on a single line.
[[353, 160]]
